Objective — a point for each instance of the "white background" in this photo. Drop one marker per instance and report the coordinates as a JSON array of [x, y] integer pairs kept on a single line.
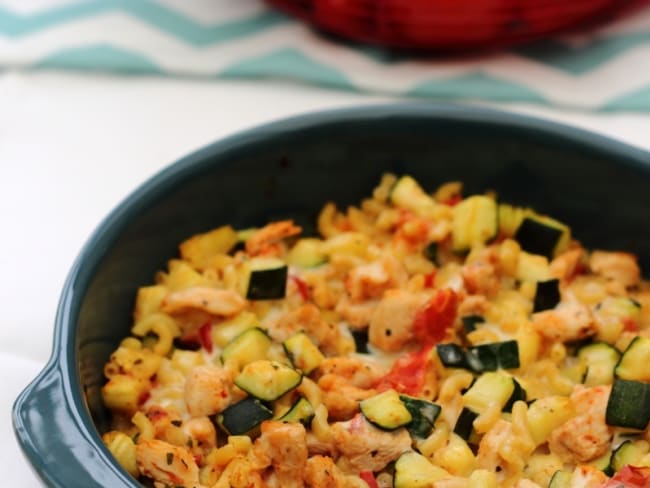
[[72, 146]]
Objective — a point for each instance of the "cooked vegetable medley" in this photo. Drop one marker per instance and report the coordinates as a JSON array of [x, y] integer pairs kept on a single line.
[[423, 340]]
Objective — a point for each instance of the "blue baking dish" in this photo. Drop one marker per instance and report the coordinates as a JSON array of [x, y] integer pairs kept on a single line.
[[290, 168]]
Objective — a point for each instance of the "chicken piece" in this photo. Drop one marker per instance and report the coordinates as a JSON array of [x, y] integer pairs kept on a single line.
[[587, 477], [566, 265], [365, 446], [265, 240], [371, 280], [283, 446], [202, 434], [617, 266], [321, 472], [210, 300], [480, 278], [208, 390], [356, 371], [567, 322], [391, 326], [166, 463], [356, 314], [502, 449], [307, 317], [240, 473], [340, 397], [585, 436], [473, 305]]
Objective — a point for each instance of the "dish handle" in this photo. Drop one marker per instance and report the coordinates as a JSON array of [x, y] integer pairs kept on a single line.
[[57, 440]]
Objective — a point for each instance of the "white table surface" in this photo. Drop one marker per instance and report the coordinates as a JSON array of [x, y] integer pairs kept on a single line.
[[72, 146]]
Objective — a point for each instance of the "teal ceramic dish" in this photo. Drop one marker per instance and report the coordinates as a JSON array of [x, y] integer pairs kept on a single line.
[[290, 168]]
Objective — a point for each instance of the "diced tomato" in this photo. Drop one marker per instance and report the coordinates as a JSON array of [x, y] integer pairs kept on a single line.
[[303, 288], [144, 396], [453, 200], [347, 17], [431, 323], [408, 374], [205, 336], [630, 477], [630, 325], [429, 279], [369, 478]]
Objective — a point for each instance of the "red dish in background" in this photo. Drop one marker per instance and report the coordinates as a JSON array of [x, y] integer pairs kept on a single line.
[[452, 24]]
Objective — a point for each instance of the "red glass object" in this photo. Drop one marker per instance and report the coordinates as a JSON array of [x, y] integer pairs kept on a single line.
[[452, 24]]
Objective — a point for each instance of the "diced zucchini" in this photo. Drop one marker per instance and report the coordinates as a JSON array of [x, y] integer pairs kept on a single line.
[[267, 380], [244, 416], [547, 295], [471, 321], [451, 355], [301, 411], [424, 415], [267, 279], [546, 414], [628, 404], [533, 268], [543, 235], [518, 394], [465, 423], [492, 356], [431, 252], [303, 353], [601, 359], [603, 463], [224, 332], [413, 470], [386, 410], [360, 337], [488, 388], [635, 361], [475, 221], [560, 479], [407, 193], [511, 217], [629, 452], [306, 253], [251, 345]]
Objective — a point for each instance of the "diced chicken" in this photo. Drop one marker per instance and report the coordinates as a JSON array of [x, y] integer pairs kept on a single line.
[[371, 280], [391, 326], [284, 446], [356, 314], [214, 301], [565, 266], [240, 473], [480, 278], [617, 266], [321, 472], [585, 436], [340, 397], [265, 240], [366, 447], [208, 390], [166, 463], [307, 317], [587, 477], [503, 449], [356, 371], [567, 322]]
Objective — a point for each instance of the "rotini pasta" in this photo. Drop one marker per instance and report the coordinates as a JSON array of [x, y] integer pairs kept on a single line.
[[423, 340]]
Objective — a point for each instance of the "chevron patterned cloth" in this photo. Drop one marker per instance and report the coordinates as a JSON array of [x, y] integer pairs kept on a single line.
[[605, 69]]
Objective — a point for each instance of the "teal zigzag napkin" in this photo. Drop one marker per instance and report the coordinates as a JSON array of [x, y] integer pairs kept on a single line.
[[608, 69]]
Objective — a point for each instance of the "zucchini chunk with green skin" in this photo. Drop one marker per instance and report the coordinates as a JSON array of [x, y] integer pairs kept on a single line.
[[543, 235], [628, 405], [492, 356], [424, 415], [267, 380], [408, 193], [303, 353], [560, 479], [386, 410], [244, 416], [547, 295], [301, 411], [603, 463], [474, 221], [635, 361], [451, 355], [471, 321], [518, 394], [629, 452], [413, 470], [267, 280], [601, 359], [488, 388], [251, 345], [465, 424]]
